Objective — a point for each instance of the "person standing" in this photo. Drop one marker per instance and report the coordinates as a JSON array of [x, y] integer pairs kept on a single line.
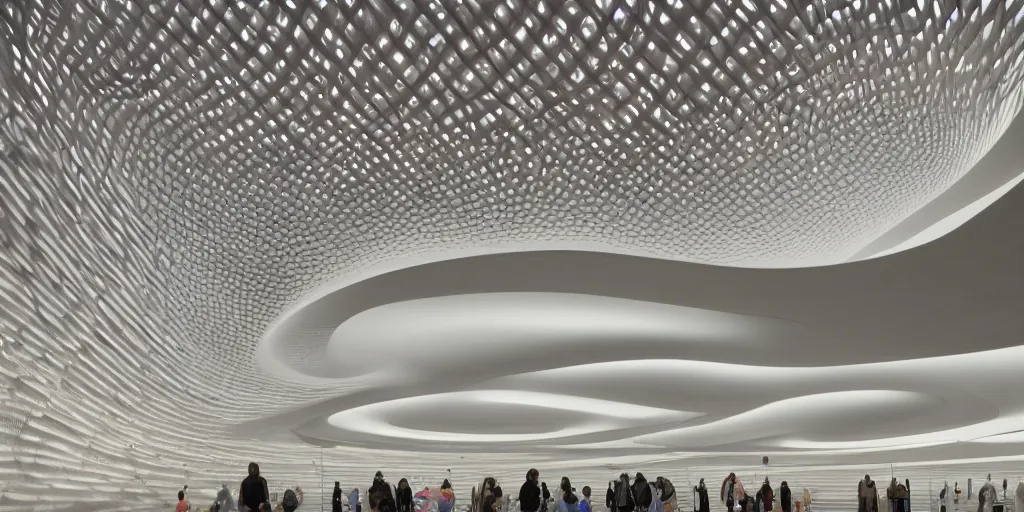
[[529, 493], [667, 494], [336, 498], [642, 492], [404, 498], [183, 505], [380, 493], [568, 501], [624, 501], [353, 501], [446, 502], [254, 491], [585, 504]]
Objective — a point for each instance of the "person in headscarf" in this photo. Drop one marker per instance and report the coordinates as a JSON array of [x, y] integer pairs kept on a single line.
[[785, 498], [867, 495], [485, 489], [703, 503], [529, 493], [890, 495], [380, 493], [732, 492], [254, 491], [767, 497], [336, 498], [545, 494], [624, 501], [568, 502], [728, 491], [666, 493], [290, 501], [404, 498], [642, 492]]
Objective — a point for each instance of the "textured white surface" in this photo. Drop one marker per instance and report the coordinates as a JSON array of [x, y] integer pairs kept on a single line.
[[179, 180]]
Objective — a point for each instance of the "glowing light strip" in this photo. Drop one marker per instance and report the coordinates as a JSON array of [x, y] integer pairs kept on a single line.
[[368, 418], [572, 403]]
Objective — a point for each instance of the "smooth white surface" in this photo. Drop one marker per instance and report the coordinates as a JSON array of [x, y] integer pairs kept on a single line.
[[180, 181], [463, 329], [948, 224], [591, 415]]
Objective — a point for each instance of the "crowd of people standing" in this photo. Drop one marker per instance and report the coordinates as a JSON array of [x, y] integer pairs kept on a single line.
[[623, 495]]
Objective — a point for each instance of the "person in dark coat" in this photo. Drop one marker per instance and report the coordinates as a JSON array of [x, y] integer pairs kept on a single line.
[[642, 492], [703, 503], [253, 491], [785, 498], [404, 498], [336, 498], [380, 495], [529, 493], [767, 497]]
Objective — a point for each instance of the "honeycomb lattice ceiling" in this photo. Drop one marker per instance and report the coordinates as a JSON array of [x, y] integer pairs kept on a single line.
[[178, 177]]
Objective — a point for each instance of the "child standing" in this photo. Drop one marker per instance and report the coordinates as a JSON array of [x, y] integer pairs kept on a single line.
[[182, 503], [585, 505]]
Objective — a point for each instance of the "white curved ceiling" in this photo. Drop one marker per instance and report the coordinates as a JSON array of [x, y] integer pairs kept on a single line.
[[579, 233]]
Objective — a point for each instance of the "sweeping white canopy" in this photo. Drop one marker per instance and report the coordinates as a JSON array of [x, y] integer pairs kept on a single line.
[[231, 231]]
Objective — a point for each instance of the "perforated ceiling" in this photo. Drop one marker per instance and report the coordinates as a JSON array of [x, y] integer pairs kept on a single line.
[[181, 180]]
